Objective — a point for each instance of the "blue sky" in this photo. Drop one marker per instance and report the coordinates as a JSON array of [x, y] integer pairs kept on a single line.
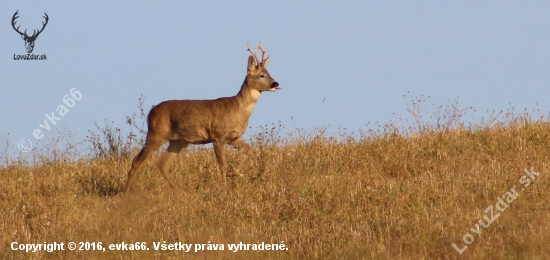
[[361, 57]]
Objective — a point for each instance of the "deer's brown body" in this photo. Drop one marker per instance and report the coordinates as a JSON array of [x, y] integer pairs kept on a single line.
[[220, 121]]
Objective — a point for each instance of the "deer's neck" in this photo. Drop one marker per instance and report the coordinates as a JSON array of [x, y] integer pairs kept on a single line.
[[247, 98]]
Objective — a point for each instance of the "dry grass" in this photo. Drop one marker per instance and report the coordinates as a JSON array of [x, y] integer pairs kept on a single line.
[[381, 196]]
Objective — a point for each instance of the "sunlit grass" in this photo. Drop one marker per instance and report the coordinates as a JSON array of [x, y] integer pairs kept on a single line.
[[402, 193]]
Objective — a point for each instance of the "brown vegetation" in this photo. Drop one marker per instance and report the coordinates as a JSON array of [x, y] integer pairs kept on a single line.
[[396, 193]]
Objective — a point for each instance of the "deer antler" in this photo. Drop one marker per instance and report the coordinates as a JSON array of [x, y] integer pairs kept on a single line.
[[13, 23], [253, 54], [264, 62], [34, 34], [43, 25]]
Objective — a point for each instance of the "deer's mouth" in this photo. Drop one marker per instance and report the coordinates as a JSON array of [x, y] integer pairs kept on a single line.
[[274, 87]]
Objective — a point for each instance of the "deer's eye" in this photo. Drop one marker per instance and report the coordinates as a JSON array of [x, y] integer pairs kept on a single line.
[[262, 76]]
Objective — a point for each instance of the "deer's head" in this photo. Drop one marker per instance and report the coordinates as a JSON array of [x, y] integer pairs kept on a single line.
[[257, 76], [29, 40]]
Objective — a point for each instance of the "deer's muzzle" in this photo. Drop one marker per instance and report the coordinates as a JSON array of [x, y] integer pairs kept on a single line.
[[275, 85]]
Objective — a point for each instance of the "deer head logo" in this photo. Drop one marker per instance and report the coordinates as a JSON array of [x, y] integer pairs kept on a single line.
[[29, 40]]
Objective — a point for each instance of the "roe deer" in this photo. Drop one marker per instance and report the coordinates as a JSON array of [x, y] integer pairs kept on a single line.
[[220, 121]]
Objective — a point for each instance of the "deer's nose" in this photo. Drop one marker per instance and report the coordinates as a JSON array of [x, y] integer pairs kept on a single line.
[[275, 84]]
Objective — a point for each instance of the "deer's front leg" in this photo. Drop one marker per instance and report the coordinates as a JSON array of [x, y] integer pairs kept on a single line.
[[220, 155], [241, 145]]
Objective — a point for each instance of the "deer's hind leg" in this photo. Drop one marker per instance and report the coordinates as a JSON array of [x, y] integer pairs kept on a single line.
[[174, 148], [153, 143]]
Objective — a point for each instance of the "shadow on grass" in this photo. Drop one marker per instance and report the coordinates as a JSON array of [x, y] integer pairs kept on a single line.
[[100, 184]]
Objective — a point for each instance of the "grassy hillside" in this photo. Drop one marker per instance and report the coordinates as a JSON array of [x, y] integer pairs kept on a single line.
[[396, 193]]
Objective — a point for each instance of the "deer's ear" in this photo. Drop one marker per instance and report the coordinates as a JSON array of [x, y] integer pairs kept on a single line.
[[251, 63]]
